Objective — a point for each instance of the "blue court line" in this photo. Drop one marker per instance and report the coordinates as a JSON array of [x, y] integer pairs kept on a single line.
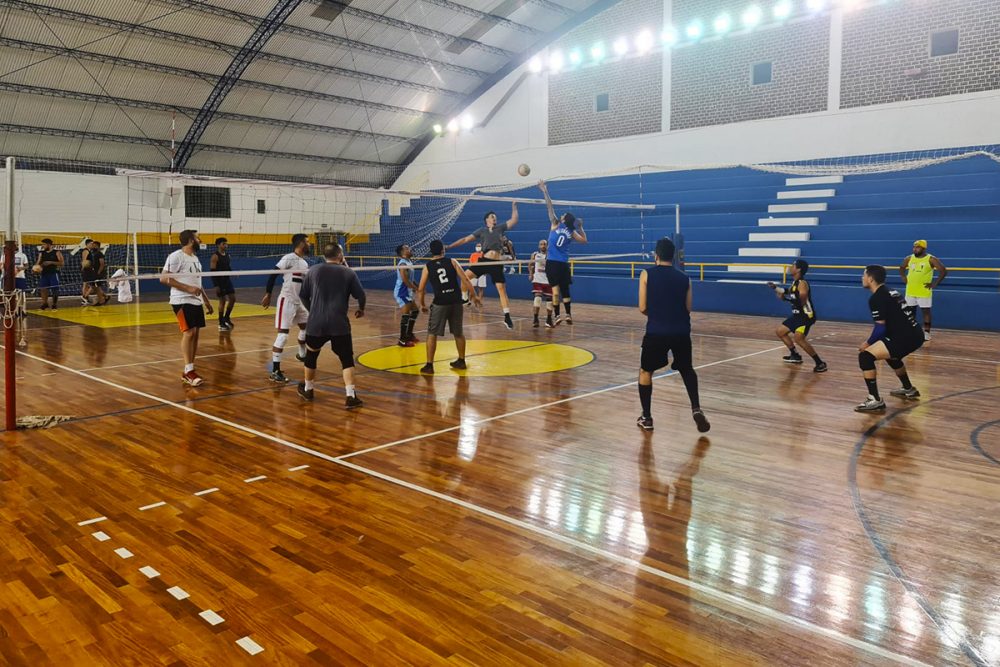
[[974, 438], [911, 588]]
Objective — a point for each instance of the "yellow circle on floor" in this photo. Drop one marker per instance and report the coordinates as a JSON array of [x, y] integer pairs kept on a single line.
[[484, 358]]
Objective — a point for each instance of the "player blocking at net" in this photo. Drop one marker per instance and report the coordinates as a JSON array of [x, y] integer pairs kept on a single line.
[[490, 235], [563, 231], [290, 309]]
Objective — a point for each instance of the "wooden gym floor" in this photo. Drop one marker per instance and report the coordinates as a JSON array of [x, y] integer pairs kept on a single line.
[[497, 519]]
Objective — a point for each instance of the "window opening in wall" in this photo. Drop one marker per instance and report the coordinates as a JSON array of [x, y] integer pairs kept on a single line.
[[760, 73], [944, 43], [261, 207], [206, 202], [601, 102]]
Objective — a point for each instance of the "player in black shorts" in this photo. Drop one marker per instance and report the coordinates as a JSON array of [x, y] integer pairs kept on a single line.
[[449, 281], [795, 329], [224, 289], [896, 334]]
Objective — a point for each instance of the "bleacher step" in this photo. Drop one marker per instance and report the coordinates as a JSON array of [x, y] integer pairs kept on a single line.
[[796, 208], [769, 252], [755, 237], [788, 222], [747, 268], [806, 194], [813, 180]]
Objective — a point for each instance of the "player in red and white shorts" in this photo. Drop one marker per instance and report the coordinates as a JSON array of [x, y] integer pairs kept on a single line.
[[540, 283], [290, 310]]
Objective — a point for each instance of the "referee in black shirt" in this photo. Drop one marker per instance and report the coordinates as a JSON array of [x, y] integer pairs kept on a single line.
[[326, 291]]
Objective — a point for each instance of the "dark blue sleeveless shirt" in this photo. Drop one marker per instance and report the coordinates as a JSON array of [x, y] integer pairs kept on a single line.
[[666, 302]]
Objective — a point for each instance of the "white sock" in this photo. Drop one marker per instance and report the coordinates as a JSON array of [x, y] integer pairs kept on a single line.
[[188, 368], [302, 347], [350, 390], [309, 385], [276, 357], [506, 311]]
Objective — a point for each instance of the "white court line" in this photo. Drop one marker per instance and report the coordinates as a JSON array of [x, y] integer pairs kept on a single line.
[[90, 521], [211, 617], [124, 553], [544, 405], [178, 592], [251, 480], [249, 645], [205, 492], [707, 591], [297, 468], [100, 536], [149, 572], [152, 506]]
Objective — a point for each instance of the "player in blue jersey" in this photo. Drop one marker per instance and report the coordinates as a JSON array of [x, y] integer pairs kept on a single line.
[[563, 231], [403, 293]]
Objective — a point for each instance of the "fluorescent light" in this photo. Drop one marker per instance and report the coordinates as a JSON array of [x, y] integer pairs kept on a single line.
[[467, 122], [644, 41], [752, 16], [722, 23], [783, 10], [694, 30], [437, 128], [669, 36], [556, 61], [453, 125], [597, 52], [575, 57], [620, 46], [535, 65], [815, 5]]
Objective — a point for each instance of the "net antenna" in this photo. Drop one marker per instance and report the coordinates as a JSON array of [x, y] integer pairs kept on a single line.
[[11, 307]]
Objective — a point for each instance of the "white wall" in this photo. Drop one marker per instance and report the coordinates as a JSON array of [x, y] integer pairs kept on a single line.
[[489, 155], [57, 202]]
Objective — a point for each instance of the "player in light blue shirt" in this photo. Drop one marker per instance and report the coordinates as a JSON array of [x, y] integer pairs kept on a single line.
[[563, 231], [403, 293]]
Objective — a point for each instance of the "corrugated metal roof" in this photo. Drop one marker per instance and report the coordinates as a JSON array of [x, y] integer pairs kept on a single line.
[[360, 80]]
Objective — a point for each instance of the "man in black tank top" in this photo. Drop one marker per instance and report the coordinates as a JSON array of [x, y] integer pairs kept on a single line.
[[449, 281], [48, 264], [224, 288], [92, 264], [665, 300]]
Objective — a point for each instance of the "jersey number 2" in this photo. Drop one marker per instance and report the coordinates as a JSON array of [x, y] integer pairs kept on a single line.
[[442, 276]]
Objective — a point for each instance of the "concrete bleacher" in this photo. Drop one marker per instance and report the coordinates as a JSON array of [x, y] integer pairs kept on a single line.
[[732, 215]]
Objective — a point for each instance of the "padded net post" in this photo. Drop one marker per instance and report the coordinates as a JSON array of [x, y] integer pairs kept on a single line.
[[11, 309]]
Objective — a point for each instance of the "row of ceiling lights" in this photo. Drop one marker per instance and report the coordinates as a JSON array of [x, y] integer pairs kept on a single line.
[[644, 42]]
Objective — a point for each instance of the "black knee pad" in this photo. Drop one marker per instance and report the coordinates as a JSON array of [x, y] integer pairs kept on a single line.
[[311, 357], [894, 364], [564, 293], [866, 360]]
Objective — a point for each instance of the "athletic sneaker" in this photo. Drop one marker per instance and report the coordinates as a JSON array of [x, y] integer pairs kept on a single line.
[[549, 323], [223, 326], [299, 357], [45, 306], [405, 343], [793, 358], [86, 302], [229, 323], [414, 339], [466, 302], [507, 322], [427, 369], [458, 365], [870, 405], [534, 323], [192, 379], [910, 394], [569, 320], [645, 423], [556, 322], [305, 394], [701, 420], [277, 376], [821, 367], [353, 402], [927, 335]]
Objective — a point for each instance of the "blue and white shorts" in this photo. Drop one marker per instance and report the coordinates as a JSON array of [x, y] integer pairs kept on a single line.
[[402, 295]]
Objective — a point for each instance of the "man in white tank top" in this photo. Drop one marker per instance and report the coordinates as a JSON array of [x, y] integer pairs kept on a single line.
[[540, 287]]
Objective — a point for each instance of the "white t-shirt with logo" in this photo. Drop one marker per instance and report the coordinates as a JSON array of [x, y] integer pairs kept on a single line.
[[180, 262], [291, 283]]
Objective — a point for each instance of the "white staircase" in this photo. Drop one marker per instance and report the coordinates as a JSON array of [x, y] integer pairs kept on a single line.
[[802, 188]]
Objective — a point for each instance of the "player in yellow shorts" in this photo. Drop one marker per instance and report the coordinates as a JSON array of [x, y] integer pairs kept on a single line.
[[918, 272]]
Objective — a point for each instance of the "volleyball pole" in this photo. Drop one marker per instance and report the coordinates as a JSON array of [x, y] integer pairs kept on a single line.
[[10, 319]]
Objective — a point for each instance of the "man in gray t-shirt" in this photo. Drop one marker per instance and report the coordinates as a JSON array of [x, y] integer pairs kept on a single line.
[[326, 292], [491, 235]]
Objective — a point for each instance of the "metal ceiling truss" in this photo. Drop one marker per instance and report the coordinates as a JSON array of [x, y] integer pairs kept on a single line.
[[123, 27], [209, 78], [328, 39], [164, 143], [413, 27], [484, 16], [191, 111]]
